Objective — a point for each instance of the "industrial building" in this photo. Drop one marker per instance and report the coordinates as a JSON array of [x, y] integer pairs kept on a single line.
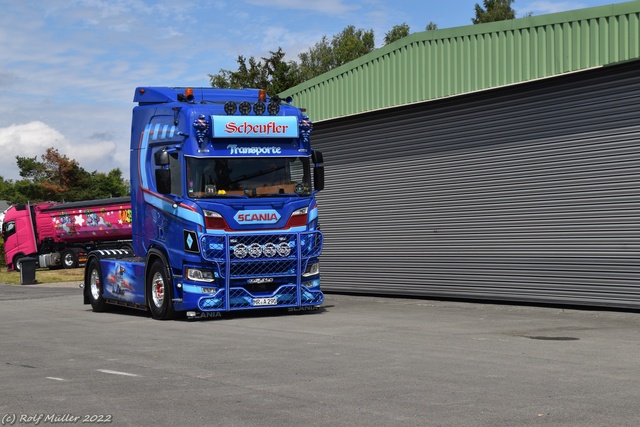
[[498, 161]]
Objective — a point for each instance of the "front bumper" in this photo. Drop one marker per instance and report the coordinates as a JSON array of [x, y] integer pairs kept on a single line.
[[238, 260]]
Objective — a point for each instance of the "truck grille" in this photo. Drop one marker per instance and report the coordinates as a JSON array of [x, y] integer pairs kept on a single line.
[[259, 268], [258, 255]]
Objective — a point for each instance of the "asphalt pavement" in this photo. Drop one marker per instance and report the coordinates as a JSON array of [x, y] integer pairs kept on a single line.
[[359, 361]]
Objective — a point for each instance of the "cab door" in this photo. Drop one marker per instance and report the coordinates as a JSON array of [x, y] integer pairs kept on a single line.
[[18, 234]]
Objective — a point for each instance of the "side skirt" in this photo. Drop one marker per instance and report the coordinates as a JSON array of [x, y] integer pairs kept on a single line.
[[126, 304]]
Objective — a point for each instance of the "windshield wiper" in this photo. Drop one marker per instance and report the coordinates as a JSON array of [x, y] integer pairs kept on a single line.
[[228, 196]]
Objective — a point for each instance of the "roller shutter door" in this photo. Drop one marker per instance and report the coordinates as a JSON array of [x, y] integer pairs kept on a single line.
[[525, 193]]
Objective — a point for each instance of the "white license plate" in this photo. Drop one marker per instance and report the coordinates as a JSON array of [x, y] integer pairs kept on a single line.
[[257, 302]]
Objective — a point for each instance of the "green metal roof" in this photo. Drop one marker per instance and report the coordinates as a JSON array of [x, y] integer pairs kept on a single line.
[[435, 64]]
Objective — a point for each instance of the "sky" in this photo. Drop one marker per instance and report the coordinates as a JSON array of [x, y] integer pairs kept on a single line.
[[69, 68]]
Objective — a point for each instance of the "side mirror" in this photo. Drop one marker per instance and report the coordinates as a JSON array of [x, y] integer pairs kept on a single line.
[[163, 181], [318, 178], [316, 157], [161, 158]]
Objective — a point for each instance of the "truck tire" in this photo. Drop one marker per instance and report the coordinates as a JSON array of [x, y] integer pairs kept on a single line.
[[160, 292], [69, 259], [16, 261], [95, 286]]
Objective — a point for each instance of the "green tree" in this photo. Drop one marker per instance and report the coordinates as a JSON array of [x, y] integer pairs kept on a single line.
[[26, 190], [6, 189], [106, 185], [324, 56], [282, 75], [251, 75], [31, 168], [222, 80], [396, 33], [317, 60], [494, 10], [431, 26], [351, 44], [276, 75], [64, 174], [273, 74], [46, 179], [58, 178]]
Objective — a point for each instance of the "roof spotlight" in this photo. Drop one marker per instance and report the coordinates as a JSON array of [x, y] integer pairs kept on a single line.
[[230, 107], [273, 108], [259, 108], [245, 108]]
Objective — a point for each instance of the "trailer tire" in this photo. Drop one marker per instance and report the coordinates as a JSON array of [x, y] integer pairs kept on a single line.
[[160, 292], [94, 285], [69, 259]]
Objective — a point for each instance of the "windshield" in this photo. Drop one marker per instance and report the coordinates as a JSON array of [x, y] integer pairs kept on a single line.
[[248, 177]]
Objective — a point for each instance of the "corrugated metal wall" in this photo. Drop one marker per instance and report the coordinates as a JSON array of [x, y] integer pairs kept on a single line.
[[436, 64], [527, 193]]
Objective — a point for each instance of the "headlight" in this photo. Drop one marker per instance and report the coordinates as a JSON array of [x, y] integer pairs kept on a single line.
[[198, 275], [312, 269], [301, 211]]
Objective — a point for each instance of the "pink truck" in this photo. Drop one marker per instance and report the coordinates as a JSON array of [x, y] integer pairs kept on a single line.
[[61, 235]]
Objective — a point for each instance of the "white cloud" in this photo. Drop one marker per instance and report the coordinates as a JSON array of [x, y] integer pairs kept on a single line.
[[329, 7], [100, 152], [94, 155], [26, 140]]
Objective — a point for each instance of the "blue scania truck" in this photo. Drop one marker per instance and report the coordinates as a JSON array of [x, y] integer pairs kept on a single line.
[[224, 215]]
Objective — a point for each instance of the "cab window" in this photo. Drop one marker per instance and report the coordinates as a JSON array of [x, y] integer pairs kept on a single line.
[[8, 229]]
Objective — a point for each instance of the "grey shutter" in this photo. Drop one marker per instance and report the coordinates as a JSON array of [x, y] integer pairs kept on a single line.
[[525, 193]]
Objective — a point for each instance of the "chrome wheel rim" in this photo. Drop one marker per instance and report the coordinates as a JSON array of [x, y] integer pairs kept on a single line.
[[95, 284], [157, 290], [68, 260]]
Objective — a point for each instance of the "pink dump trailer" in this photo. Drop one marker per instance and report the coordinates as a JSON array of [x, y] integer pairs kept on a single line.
[[61, 234]]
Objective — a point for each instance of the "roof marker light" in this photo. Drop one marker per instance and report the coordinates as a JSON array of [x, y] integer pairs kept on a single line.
[[189, 93], [262, 95]]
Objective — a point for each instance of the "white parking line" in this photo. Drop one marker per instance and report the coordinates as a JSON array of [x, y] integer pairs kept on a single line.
[[126, 374], [56, 379]]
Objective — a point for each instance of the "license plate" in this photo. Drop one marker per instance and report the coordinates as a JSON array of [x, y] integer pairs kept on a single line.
[[257, 302]]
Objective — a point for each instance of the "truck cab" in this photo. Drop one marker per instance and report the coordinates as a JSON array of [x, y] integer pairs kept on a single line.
[[18, 233], [224, 215]]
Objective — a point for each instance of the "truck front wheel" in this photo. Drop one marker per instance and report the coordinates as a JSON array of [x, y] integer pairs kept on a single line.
[[16, 261], [94, 284], [160, 292], [69, 259]]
